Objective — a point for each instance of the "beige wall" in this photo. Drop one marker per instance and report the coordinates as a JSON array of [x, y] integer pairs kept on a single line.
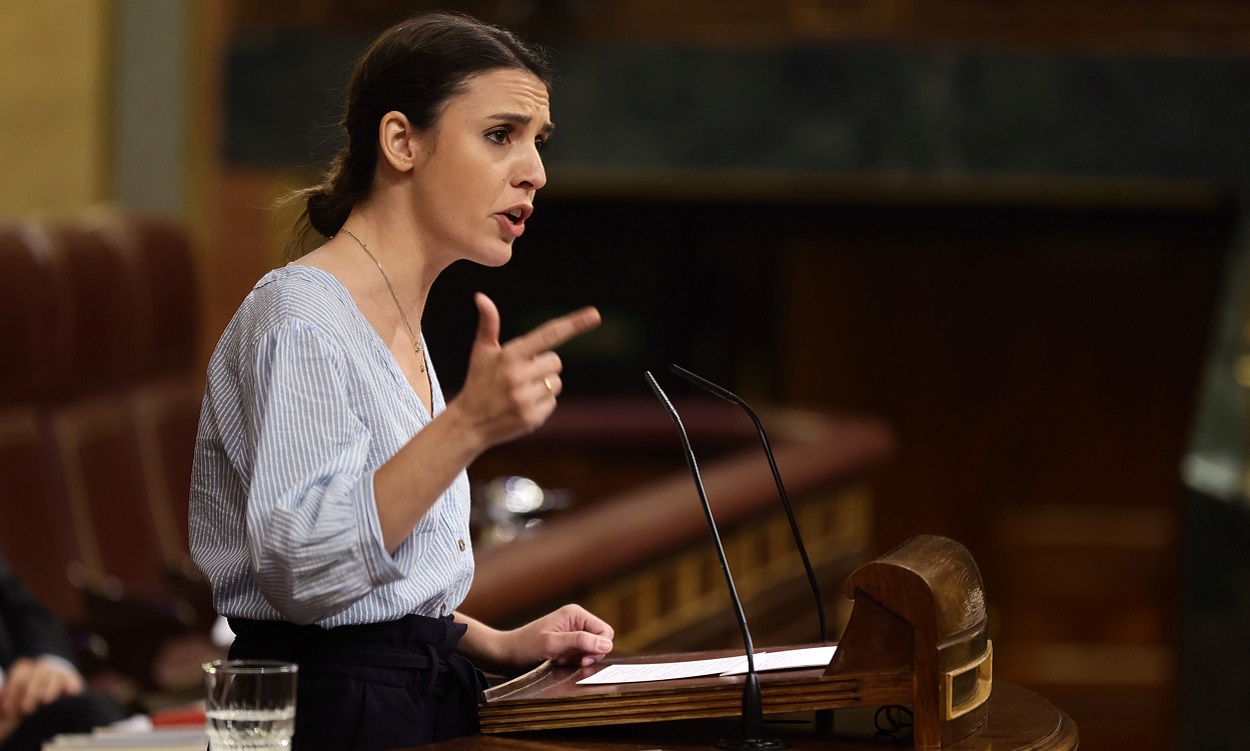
[[55, 98]]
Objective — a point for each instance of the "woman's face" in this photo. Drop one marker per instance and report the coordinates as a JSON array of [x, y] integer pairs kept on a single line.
[[479, 167]]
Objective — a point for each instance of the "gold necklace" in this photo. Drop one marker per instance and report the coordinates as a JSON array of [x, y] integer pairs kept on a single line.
[[416, 343]]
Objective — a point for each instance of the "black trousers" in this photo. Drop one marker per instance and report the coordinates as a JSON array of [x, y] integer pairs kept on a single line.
[[375, 686]]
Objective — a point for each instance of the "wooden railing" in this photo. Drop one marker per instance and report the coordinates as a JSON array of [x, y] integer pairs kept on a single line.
[[641, 556]]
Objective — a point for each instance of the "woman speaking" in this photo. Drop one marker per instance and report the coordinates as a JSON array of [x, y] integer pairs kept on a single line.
[[329, 500]]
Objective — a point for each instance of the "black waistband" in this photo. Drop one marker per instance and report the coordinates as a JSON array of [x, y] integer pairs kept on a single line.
[[412, 642]]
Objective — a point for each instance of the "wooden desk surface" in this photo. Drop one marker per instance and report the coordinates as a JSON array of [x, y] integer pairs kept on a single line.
[[1018, 719]]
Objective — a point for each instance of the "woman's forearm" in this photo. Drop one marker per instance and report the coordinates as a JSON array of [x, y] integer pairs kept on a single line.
[[409, 484]]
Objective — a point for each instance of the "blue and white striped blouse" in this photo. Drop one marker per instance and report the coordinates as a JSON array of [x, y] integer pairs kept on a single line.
[[303, 403]]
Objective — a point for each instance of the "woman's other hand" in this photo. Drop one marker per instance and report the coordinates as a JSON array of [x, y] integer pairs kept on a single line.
[[511, 389], [571, 635]]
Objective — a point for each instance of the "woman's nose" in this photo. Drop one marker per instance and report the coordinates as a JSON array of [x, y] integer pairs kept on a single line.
[[531, 173]]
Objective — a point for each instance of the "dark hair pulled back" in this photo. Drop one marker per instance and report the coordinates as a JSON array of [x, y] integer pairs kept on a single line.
[[414, 68]]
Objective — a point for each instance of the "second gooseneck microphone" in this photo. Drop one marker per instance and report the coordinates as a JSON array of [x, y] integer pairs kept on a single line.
[[729, 396]]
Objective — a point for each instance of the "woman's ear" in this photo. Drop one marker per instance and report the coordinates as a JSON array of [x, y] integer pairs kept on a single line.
[[398, 141]]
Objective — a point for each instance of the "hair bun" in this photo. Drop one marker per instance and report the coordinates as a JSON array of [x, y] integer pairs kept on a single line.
[[326, 213]]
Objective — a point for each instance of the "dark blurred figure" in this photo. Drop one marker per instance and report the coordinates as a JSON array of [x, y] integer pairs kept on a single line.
[[1215, 651], [41, 691]]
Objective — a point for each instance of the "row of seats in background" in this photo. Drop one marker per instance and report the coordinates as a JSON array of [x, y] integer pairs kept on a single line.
[[99, 402]]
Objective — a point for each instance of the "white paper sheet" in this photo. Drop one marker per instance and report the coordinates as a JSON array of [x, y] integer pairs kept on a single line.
[[159, 739], [788, 659], [662, 671], [807, 657]]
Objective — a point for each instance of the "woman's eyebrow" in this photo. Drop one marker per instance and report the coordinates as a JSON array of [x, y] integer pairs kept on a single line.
[[520, 119]]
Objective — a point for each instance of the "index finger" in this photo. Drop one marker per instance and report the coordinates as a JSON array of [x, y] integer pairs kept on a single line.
[[557, 331], [597, 626], [581, 619]]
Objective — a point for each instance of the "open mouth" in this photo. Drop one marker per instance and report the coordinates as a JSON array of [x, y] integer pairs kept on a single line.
[[518, 214]]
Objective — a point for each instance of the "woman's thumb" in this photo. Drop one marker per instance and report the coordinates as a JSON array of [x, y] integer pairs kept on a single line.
[[487, 320]]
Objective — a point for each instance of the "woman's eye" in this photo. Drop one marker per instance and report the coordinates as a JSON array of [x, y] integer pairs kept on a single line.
[[499, 136]]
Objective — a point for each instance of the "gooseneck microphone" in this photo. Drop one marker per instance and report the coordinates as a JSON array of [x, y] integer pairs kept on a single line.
[[729, 396], [752, 702]]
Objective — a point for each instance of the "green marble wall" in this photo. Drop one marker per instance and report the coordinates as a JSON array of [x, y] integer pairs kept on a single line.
[[844, 108]]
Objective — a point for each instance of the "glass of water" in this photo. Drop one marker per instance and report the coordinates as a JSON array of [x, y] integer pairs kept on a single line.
[[249, 704]]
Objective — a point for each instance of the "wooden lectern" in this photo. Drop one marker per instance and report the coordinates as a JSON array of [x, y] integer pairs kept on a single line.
[[916, 636]]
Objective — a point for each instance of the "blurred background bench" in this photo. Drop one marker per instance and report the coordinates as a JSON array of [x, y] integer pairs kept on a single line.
[[633, 544]]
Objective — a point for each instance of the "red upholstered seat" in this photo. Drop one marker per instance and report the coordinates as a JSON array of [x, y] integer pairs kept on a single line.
[[98, 289], [168, 296], [30, 315], [37, 531]]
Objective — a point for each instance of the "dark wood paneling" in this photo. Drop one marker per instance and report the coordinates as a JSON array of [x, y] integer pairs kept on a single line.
[[1040, 367]]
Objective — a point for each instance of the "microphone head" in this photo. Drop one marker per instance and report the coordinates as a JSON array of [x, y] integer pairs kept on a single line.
[[663, 397], [704, 384]]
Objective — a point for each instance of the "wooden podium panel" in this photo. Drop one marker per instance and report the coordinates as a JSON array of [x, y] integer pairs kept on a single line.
[[1017, 719]]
